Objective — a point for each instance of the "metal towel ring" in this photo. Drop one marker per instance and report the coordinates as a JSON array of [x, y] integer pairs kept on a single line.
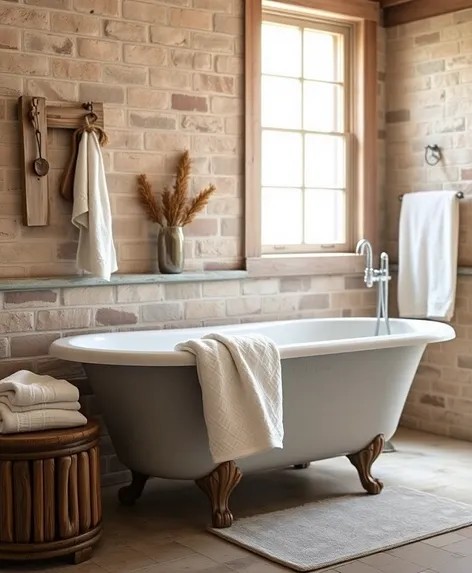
[[432, 154]]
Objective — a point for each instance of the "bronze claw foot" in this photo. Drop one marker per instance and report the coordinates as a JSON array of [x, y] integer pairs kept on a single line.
[[218, 486], [129, 494], [363, 461]]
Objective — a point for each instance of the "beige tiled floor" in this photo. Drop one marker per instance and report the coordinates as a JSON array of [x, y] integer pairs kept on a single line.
[[164, 532]]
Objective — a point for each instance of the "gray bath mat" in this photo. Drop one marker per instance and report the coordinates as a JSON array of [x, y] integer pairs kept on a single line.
[[332, 531]]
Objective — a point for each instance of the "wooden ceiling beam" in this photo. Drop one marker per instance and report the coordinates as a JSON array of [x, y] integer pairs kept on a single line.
[[420, 9]]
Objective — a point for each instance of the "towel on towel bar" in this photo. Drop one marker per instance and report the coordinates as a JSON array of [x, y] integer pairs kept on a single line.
[[91, 212], [24, 388], [428, 248], [38, 420], [241, 383]]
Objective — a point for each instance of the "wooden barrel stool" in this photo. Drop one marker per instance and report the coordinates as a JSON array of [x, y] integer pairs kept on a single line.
[[50, 503]]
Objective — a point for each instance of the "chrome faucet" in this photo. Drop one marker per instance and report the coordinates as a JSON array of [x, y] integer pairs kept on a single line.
[[363, 246], [381, 276]]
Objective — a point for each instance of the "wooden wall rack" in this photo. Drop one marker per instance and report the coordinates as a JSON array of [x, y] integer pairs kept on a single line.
[[63, 116]]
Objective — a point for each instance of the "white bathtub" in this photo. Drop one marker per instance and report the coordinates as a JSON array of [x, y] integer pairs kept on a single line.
[[343, 389]]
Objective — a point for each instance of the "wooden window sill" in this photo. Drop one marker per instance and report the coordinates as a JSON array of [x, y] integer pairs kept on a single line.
[[299, 265]]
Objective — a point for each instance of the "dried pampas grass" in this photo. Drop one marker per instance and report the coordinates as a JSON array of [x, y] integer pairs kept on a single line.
[[148, 201], [173, 208], [198, 203]]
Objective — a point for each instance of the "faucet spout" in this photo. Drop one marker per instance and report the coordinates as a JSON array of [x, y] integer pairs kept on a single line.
[[364, 247]]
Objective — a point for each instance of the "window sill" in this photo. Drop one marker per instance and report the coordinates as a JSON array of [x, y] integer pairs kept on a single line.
[[70, 282], [300, 265]]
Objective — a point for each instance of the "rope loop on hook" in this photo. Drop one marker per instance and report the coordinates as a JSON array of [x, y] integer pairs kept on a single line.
[[66, 188]]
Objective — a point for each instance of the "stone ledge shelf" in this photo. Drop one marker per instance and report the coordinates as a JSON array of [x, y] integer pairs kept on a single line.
[[84, 281]]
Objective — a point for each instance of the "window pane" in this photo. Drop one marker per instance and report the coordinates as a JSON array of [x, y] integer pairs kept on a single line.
[[281, 102], [282, 216], [325, 216], [282, 159], [322, 107], [324, 161], [320, 61], [281, 50]]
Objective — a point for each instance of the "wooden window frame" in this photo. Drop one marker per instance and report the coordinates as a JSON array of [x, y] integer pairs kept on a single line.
[[364, 17]]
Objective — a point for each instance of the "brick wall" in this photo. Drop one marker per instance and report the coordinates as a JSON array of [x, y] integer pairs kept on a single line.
[[429, 90], [170, 75], [381, 142]]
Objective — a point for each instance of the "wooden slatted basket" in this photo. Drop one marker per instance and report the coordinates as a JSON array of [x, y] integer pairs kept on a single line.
[[50, 499]]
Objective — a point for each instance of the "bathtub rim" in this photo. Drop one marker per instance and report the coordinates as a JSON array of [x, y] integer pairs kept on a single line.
[[425, 332]]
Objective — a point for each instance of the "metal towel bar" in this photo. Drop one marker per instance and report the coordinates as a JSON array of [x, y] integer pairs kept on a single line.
[[459, 195]]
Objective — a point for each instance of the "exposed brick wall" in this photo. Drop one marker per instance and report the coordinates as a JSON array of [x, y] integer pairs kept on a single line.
[[170, 73], [381, 148], [429, 87]]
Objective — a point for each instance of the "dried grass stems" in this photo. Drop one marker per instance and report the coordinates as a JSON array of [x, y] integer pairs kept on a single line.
[[174, 208], [151, 205]]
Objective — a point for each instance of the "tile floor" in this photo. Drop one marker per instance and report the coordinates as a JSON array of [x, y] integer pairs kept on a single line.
[[164, 532]]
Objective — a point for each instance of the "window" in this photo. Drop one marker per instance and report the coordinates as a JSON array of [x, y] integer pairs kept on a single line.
[[310, 135], [306, 188]]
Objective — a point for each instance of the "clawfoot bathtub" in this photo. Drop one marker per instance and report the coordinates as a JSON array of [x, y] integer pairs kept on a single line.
[[344, 391]]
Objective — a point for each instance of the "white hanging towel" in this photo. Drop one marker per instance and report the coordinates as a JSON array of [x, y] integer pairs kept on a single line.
[[91, 212], [428, 248], [38, 420], [24, 388], [241, 383]]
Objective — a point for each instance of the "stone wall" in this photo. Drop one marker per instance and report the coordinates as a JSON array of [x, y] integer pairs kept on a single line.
[[429, 91], [170, 73]]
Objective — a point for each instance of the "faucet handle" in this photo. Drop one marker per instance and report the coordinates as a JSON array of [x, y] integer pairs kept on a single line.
[[369, 279]]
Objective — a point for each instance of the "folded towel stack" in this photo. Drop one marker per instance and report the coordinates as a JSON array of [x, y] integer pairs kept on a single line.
[[31, 403]]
